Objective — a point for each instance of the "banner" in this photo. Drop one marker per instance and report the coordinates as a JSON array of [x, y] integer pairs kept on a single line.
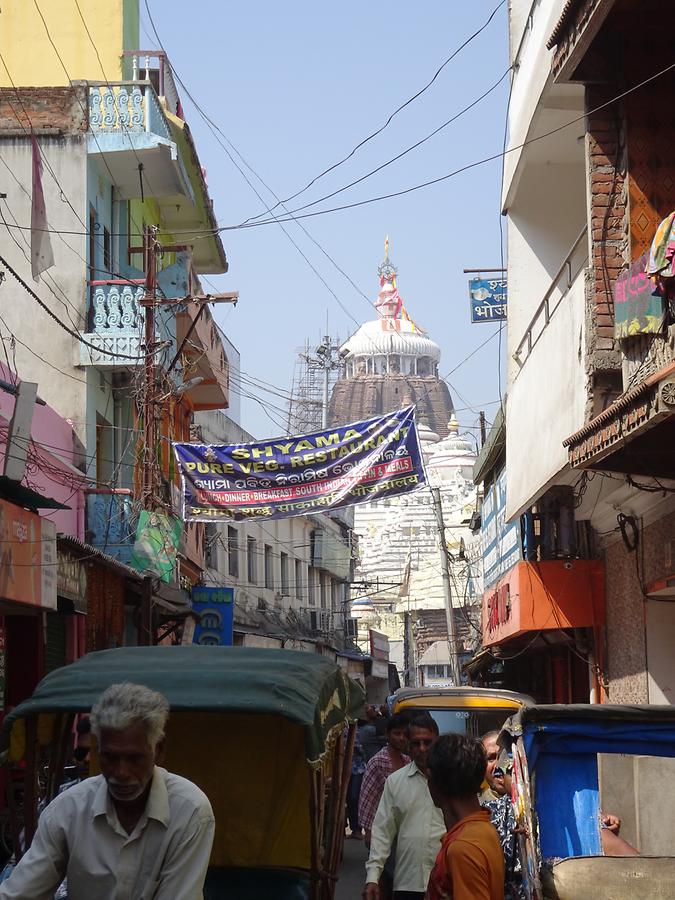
[[488, 299], [294, 476], [156, 545], [638, 306]]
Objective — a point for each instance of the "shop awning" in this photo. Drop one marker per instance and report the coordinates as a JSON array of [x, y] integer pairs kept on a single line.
[[634, 435]]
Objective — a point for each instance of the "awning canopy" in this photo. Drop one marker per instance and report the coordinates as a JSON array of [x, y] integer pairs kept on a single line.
[[304, 688], [634, 435]]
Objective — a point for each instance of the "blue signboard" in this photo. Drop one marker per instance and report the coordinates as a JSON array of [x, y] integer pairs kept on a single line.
[[501, 541], [294, 476], [215, 606], [488, 299]]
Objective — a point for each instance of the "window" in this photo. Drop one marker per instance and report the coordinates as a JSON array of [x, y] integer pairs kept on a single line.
[[210, 545], [232, 552], [311, 585], [325, 586], [269, 568], [251, 561], [299, 592], [92, 243], [335, 588], [107, 258], [283, 560], [104, 450]]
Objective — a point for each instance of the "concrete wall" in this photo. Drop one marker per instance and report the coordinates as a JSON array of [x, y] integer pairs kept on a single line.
[[640, 633], [45, 353], [31, 59]]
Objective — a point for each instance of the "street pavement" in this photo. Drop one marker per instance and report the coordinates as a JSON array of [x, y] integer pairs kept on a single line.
[[352, 871]]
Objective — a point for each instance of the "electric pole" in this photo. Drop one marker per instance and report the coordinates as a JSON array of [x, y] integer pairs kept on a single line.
[[329, 359], [447, 590]]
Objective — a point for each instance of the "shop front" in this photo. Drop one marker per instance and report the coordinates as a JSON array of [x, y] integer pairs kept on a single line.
[[542, 630]]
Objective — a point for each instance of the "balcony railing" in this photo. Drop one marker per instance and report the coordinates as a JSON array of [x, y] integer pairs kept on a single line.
[[111, 522], [573, 264], [126, 107], [115, 323]]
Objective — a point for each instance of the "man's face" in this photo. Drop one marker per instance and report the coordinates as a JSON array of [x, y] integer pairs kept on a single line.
[[420, 741], [492, 751], [127, 762], [371, 713], [398, 739], [81, 753]]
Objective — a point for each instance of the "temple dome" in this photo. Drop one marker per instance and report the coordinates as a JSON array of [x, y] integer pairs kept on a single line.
[[373, 340]]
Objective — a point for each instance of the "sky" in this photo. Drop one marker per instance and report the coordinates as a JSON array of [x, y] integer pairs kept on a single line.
[[295, 87]]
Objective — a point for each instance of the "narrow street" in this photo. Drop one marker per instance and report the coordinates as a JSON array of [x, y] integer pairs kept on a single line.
[[351, 875]]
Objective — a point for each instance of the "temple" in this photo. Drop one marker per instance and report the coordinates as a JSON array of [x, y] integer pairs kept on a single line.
[[391, 362]]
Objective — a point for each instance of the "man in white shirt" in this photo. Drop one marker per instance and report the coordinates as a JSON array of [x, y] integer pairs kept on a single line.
[[406, 814], [135, 832]]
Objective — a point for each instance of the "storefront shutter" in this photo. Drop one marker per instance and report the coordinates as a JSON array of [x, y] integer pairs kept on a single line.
[[55, 649]]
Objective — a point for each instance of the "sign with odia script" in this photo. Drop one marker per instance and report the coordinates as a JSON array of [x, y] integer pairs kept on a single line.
[[295, 476]]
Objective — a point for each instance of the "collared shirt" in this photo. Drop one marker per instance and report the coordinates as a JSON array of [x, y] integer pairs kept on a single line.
[[406, 813], [79, 835], [470, 863], [379, 768]]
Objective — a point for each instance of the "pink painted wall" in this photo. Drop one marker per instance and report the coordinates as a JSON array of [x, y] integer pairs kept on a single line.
[[55, 438]]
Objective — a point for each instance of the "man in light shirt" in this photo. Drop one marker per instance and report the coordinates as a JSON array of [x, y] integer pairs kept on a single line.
[[406, 814], [135, 832]]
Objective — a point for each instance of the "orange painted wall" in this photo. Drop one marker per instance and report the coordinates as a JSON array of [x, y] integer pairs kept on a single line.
[[548, 595]]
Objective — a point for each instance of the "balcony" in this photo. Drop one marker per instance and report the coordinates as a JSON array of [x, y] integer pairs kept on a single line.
[[116, 321], [111, 522], [128, 129]]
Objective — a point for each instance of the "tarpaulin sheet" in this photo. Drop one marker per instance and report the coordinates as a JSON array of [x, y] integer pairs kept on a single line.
[[294, 476], [305, 688]]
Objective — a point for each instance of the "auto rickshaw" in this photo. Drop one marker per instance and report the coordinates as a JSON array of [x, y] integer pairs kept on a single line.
[[266, 734], [462, 710], [574, 764]]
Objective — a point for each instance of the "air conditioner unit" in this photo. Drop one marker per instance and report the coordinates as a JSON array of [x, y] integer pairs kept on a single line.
[[320, 620]]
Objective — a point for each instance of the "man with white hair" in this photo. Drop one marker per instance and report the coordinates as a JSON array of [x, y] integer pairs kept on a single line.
[[134, 832]]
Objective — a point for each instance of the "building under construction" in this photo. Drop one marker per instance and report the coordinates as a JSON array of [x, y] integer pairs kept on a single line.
[[317, 369]]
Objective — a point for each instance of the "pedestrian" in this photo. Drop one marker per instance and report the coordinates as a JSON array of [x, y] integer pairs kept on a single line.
[[354, 788], [390, 759], [406, 817], [134, 831], [470, 863], [368, 733], [494, 780]]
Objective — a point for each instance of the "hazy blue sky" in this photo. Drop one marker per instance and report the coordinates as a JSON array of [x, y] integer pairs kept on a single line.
[[295, 86]]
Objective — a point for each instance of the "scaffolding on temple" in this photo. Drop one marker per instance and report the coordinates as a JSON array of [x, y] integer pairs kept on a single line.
[[317, 368]]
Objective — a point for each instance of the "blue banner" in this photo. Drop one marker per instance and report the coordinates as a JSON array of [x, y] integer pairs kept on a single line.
[[294, 476], [215, 606], [488, 299]]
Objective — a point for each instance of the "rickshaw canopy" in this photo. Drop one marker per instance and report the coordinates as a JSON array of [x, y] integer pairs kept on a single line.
[[307, 689]]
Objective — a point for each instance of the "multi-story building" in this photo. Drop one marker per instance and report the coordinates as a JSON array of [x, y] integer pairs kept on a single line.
[[588, 419], [119, 164]]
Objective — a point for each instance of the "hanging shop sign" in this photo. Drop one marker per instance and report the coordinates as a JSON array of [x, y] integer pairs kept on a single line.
[[215, 607], [488, 299], [501, 541], [156, 545], [27, 557], [638, 306], [294, 476], [71, 579]]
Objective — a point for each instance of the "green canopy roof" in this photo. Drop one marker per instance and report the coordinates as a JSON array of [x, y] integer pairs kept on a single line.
[[303, 687]]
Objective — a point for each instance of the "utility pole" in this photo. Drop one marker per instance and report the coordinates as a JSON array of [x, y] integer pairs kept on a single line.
[[447, 590], [483, 429], [329, 357], [149, 480]]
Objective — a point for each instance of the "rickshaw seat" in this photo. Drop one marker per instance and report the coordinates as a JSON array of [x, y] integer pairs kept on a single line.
[[224, 883]]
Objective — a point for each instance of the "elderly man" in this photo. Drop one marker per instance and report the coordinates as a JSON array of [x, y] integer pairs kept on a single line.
[[135, 832]]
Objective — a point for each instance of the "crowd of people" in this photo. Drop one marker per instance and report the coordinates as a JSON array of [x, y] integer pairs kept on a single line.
[[436, 814]]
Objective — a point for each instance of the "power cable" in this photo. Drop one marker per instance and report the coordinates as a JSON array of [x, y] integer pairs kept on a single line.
[[393, 114]]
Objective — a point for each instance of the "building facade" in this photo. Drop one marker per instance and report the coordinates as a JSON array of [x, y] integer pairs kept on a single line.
[[587, 421]]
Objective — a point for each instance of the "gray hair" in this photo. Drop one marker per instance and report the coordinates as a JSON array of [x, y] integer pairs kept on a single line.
[[124, 705]]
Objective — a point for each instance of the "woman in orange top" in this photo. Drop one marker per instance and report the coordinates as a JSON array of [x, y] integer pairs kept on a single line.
[[470, 864]]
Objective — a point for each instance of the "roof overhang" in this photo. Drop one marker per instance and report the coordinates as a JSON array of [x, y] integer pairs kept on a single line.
[[204, 357], [122, 155], [635, 435], [493, 448], [575, 31]]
